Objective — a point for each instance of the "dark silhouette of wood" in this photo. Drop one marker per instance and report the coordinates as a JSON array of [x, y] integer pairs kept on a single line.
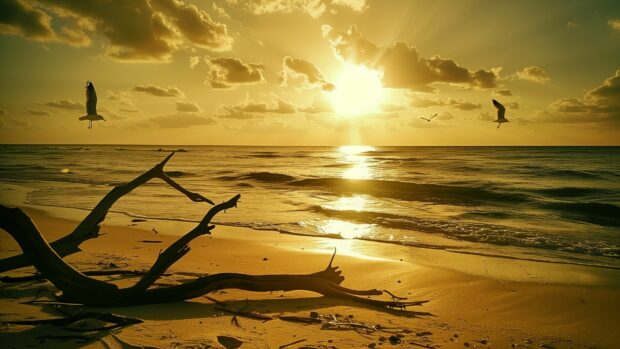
[[89, 227], [77, 287]]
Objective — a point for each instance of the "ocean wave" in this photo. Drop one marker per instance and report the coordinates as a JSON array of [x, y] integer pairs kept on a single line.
[[571, 192], [476, 232], [175, 174], [269, 177], [590, 212], [411, 191]]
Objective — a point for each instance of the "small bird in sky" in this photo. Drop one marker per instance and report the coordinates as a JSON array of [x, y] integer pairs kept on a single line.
[[501, 111], [429, 118], [91, 105]]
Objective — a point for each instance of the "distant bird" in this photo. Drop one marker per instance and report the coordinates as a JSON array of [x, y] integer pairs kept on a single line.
[[428, 119], [91, 105], [501, 110]]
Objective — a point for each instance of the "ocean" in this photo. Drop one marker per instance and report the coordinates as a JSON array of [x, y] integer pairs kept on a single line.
[[555, 204]]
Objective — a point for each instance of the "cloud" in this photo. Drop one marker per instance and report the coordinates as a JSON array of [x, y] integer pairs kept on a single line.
[[601, 104], [532, 73], [512, 105], [187, 107], [37, 112], [299, 68], [129, 110], [314, 8], [421, 102], [463, 105], [193, 61], [319, 105], [139, 30], [614, 24], [250, 109], [28, 20], [181, 120], [170, 91], [226, 72], [503, 92], [220, 11], [65, 104], [402, 65]]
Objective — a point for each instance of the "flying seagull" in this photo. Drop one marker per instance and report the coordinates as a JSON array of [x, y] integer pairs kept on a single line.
[[91, 105], [428, 119], [501, 110]]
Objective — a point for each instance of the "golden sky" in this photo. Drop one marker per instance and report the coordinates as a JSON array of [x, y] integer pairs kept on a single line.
[[311, 72]]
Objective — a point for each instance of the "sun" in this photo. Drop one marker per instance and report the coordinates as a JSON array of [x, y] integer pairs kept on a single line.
[[358, 91]]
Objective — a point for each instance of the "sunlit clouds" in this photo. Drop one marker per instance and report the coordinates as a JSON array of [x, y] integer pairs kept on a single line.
[[299, 72]]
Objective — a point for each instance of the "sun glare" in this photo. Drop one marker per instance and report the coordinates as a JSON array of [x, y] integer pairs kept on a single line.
[[358, 91]]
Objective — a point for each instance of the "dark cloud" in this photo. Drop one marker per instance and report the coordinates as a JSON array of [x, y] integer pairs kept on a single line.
[[503, 92], [299, 68], [250, 109], [195, 25], [187, 107], [402, 65], [532, 73], [181, 120], [170, 91], [136, 30], [226, 72], [29, 20], [314, 8], [65, 104], [601, 104], [22, 18]]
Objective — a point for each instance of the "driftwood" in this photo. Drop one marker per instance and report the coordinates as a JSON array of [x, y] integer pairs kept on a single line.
[[77, 287], [89, 227]]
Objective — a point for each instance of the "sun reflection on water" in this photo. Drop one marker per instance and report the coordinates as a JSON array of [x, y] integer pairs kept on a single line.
[[360, 167], [345, 229], [348, 203]]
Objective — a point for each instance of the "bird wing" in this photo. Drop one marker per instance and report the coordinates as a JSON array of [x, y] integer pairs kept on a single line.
[[423, 118], [433, 116], [501, 110], [91, 99]]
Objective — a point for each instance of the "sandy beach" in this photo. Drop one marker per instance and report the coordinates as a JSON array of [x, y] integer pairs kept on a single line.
[[474, 301]]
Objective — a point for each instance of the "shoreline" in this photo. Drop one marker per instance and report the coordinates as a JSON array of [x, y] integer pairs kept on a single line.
[[475, 297]]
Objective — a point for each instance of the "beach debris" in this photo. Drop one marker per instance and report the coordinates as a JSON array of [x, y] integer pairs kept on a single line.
[[155, 230], [249, 314], [136, 220], [77, 287], [394, 297], [229, 342], [265, 259], [151, 241], [292, 343], [306, 320], [394, 340]]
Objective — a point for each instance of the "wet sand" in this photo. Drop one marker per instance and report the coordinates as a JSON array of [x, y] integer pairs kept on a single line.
[[475, 301]]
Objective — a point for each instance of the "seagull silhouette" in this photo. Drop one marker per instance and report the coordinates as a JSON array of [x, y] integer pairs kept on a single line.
[[501, 110], [91, 105], [428, 119]]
